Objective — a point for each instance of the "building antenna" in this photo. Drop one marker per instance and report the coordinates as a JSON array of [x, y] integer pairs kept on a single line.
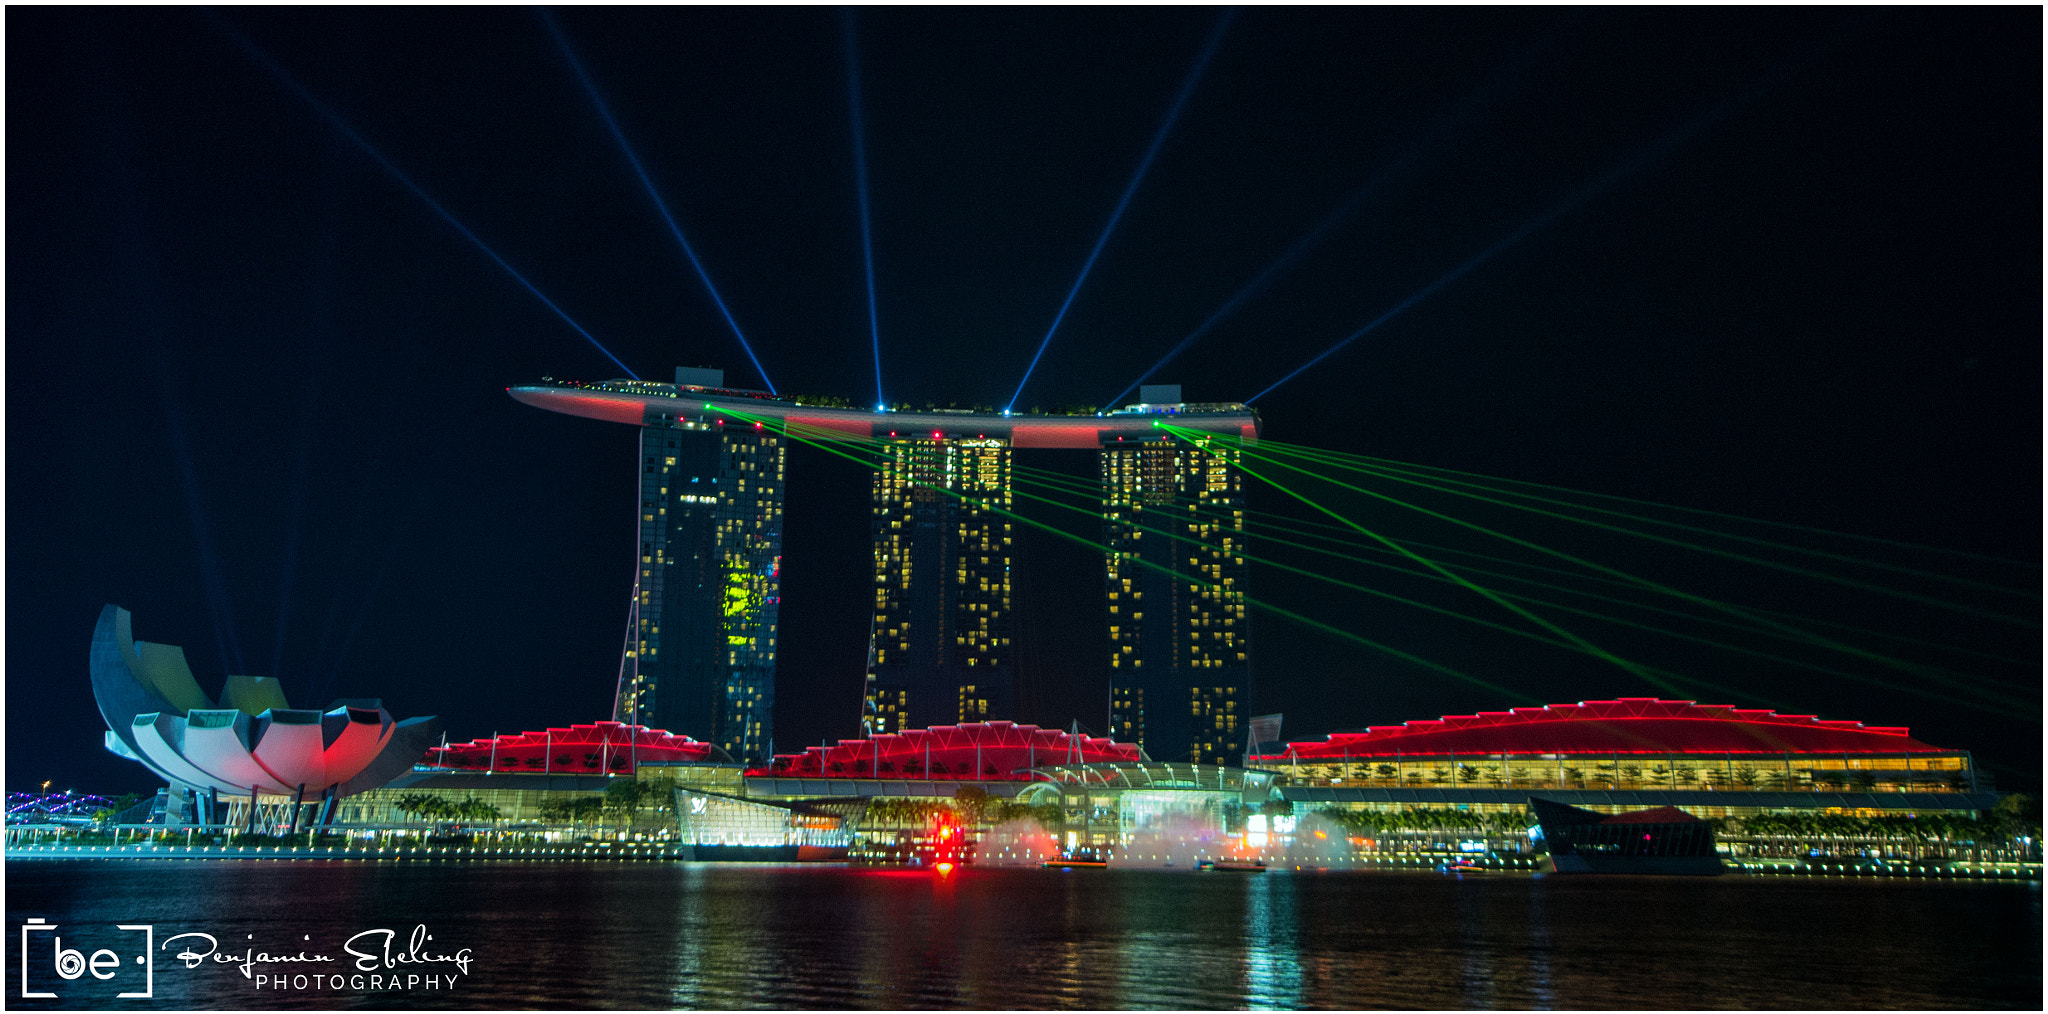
[[626, 699], [870, 721]]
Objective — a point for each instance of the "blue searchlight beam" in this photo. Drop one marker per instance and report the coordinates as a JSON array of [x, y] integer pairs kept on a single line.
[[1445, 126], [1144, 164], [1664, 145], [604, 111], [860, 177], [369, 149]]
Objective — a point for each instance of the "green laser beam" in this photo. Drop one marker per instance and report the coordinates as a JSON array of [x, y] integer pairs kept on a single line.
[[1645, 582], [1075, 487], [1626, 603], [1261, 605], [1483, 592], [1622, 621], [1385, 470], [1064, 484], [1667, 506], [1913, 668], [1315, 575], [1343, 536]]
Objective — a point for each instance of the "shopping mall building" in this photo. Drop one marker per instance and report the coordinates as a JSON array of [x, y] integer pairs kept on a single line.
[[1630, 754], [1613, 756]]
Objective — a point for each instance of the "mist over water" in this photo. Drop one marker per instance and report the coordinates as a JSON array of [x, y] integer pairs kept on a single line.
[[1178, 842], [1183, 842], [1020, 843], [631, 935], [1317, 842]]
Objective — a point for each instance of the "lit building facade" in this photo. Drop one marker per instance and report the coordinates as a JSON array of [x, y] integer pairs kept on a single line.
[[708, 586], [1179, 633], [1713, 760], [701, 657], [943, 617]]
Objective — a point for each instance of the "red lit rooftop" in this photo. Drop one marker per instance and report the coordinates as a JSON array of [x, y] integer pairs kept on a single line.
[[970, 751], [597, 748], [1630, 725], [640, 403]]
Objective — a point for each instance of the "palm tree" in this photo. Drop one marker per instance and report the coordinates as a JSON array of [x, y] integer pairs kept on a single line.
[[417, 804], [476, 809], [974, 803], [625, 797]]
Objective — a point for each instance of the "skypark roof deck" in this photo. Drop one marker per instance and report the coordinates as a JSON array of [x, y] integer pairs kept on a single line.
[[642, 403]]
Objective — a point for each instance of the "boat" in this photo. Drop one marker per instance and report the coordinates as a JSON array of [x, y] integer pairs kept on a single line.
[[1078, 859], [1229, 866]]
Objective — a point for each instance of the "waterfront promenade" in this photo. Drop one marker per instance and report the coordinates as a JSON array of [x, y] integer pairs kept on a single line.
[[640, 852]]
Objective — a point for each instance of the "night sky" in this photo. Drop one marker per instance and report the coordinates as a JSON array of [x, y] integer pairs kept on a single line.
[[1784, 264]]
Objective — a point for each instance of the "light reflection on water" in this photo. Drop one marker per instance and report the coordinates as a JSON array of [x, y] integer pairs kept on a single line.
[[1272, 970], [739, 936]]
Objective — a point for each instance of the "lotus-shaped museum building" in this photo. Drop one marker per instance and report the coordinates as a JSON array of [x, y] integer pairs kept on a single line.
[[251, 742]]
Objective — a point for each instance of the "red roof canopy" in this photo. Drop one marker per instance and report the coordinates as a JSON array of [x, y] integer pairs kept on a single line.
[[970, 751], [1643, 725], [597, 748]]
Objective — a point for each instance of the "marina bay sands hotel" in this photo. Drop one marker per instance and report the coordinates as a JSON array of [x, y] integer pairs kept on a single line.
[[701, 660]]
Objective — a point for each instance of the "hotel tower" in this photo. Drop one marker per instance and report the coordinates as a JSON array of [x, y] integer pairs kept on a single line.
[[700, 659]]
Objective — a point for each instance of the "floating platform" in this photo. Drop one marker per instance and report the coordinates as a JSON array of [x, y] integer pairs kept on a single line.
[[1230, 867]]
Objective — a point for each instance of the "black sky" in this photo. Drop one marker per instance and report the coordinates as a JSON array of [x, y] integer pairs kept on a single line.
[[256, 386]]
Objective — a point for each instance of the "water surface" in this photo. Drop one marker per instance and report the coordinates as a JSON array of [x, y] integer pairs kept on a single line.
[[743, 936]]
